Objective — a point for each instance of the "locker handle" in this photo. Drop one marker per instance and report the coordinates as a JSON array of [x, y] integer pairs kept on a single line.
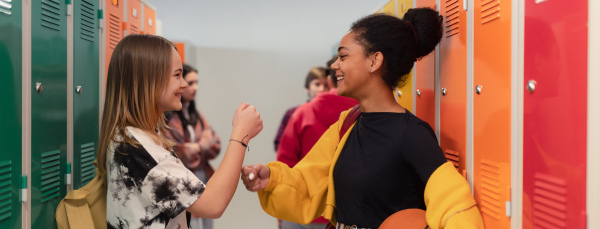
[[23, 192], [68, 174]]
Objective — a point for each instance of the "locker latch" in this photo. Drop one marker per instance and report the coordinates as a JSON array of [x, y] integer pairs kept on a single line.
[[23, 192], [100, 18], [68, 175], [69, 7]]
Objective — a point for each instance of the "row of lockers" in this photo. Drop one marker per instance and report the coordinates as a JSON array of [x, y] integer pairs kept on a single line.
[[468, 92], [51, 77]]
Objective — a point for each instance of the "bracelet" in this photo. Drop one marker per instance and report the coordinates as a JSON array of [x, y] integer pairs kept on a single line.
[[241, 142]]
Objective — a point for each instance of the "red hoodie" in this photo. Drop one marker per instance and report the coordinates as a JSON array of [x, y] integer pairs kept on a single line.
[[307, 124]]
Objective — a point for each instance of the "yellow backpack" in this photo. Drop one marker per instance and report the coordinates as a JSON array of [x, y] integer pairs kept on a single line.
[[84, 207]]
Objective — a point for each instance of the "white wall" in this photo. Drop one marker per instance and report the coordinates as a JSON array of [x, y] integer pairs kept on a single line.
[[257, 52]]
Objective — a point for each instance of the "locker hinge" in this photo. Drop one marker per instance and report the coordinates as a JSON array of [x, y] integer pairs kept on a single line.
[[100, 18], [69, 7], [508, 208], [23, 192], [68, 174], [465, 5]]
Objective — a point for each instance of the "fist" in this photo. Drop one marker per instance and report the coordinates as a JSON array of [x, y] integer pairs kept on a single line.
[[255, 177], [246, 121]]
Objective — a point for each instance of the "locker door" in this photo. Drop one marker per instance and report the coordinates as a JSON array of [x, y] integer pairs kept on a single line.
[[86, 96], [492, 110], [425, 81], [555, 114], [404, 92], [11, 102], [149, 20], [113, 28], [48, 109], [453, 83], [134, 17], [390, 8]]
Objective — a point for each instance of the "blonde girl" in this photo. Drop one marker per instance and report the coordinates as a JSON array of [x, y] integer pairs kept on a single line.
[[148, 186]]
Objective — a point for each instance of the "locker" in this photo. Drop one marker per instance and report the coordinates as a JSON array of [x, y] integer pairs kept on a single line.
[[390, 8], [453, 83], [148, 19], [113, 28], [425, 81], [555, 114], [404, 94], [48, 109], [86, 90], [11, 115], [133, 17], [492, 110]]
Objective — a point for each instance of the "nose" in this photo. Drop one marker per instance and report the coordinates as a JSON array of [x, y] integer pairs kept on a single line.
[[336, 64], [183, 83]]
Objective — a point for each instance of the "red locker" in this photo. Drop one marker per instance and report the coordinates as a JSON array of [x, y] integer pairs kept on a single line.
[[453, 83], [555, 114]]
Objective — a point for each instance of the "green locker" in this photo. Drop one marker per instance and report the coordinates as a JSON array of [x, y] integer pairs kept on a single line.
[[86, 92], [10, 116], [48, 109]]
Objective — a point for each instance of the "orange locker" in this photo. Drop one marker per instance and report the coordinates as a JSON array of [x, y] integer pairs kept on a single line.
[[405, 93], [425, 81], [149, 20], [113, 27], [390, 8], [134, 17], [181, 50], [453, 83], [492, 110]]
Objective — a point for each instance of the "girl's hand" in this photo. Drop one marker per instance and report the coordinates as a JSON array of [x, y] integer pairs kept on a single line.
[[246, 121], [255, 177]]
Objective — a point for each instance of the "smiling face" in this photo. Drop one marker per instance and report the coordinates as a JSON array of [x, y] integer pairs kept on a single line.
[[317, 86], [352, 67], [190, 92], [170, 99]]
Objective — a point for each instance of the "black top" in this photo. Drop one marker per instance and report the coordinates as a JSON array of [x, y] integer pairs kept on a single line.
[[383, 167]]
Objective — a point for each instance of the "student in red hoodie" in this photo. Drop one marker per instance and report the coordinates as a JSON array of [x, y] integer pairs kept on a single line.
[[305, 127]]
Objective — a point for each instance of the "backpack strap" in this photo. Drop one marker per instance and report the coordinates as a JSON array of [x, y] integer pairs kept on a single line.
[[350, 119]]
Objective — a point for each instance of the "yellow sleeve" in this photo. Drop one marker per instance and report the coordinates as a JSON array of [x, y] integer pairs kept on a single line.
[[299, 194], [449, 201]]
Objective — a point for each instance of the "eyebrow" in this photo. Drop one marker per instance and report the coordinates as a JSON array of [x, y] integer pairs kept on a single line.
[[342, 47], [179, 69]]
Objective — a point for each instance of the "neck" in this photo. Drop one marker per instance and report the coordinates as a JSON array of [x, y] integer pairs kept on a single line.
[[381, 101]]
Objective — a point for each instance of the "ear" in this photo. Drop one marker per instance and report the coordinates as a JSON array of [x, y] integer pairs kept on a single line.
[[376, 62]]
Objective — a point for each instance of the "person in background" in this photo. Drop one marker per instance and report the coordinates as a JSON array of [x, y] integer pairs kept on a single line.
[[305, 127], [196, 142], [315, 83], [388, 160]]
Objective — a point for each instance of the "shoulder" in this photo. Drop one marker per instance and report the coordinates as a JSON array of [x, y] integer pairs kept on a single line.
[[157, 152]]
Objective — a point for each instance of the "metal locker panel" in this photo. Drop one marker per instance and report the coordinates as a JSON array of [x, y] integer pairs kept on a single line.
[[555, 114], [113, 31], [453, 83], [425, 81], [134, 17], [390, 8], [404, 94], [492, 110], [11, 102], [149, 20], [48, 109], [86, 90]]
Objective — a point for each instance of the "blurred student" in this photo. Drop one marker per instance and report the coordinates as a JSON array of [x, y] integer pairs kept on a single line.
[[147, 185], [315, 83], [195, 141], [305, 127]]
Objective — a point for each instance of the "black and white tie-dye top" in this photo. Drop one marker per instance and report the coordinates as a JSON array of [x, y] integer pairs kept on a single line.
[[148, 186]]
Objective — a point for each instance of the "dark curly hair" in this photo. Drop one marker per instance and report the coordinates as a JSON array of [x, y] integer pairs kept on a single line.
[[397, 41]]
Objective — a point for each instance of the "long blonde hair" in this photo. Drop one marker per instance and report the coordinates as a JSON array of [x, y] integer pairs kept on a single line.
[[138, 72]]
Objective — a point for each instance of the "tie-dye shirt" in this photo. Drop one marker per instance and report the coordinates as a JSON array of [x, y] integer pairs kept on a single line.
[[148, 186]]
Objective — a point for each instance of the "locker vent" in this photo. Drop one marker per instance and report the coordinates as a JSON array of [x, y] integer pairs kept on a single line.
[[114, 30], [490, 189], [50, 174], [490, 10], [87, 163], [549, 201], [88, 22], [5, 190], [453, 157], [134, 29], [452, 17], [5, 7], [51, 14]]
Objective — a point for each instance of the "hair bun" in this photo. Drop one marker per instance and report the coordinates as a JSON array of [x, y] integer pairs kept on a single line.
[[428, 27]]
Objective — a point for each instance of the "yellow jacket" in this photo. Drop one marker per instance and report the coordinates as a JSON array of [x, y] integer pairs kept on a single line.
[[305, 192]]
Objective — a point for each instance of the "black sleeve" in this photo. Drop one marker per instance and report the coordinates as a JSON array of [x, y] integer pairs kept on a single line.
[[421, 149]]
